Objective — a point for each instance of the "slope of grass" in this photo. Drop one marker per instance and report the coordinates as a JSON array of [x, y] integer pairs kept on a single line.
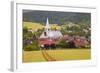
[[35, 26], [70, 54], [32, 56], [67, 54]]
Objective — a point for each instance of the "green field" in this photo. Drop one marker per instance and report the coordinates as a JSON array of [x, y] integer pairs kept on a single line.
[[35, 26], [32, 25], [60, 55]]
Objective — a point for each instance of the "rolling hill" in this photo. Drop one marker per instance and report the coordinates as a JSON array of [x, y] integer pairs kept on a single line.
[[56, 17], [35, 26]]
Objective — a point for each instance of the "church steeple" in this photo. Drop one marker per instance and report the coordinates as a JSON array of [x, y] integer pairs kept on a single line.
[[47, 27]]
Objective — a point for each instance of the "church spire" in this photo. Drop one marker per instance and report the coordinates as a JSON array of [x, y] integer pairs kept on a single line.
[[47, 24]]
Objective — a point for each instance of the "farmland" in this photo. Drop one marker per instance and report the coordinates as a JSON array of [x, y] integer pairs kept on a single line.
[[59, 55]]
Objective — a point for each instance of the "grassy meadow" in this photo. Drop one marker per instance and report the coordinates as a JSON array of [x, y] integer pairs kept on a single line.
[[59, 55], [35, 26]]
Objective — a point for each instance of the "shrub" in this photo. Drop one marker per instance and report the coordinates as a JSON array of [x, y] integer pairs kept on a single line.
[[62, 44], [66, 44], [28, 48], [32, 47]]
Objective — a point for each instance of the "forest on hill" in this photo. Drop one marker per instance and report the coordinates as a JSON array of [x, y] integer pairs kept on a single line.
[[60, 18]]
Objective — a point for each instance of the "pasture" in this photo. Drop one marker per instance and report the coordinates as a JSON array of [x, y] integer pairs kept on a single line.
[[59, 55]]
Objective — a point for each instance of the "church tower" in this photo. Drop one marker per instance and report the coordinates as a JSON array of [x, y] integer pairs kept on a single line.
[[47, 27]]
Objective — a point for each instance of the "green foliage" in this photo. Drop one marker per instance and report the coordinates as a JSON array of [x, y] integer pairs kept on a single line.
[[62, 44], [28, 48], [25, 30], [30, 41], [38, 32], [60, 18], [32, 47], [76, 29]]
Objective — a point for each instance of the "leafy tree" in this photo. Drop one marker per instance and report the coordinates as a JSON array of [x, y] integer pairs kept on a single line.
[[30, 41]]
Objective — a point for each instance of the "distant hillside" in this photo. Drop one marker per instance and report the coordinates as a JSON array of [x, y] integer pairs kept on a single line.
[[35, 26], [56, 17]]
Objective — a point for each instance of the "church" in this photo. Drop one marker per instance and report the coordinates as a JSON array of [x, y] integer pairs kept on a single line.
[[51, 34], [48, 37]]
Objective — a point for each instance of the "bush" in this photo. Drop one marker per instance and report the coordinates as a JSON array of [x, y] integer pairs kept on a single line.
[[62, 44], [32, 47], [28, 48], [66, 44]]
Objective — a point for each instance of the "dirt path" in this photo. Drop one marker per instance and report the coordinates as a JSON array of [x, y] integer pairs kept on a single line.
[[47, 57]]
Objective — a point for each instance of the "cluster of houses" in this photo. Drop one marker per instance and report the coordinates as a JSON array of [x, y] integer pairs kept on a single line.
[[49, 38]]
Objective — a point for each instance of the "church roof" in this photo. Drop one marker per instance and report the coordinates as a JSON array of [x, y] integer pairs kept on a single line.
[[47, 41], [52, 34]]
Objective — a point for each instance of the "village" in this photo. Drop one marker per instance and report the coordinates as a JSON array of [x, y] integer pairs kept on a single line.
[[50, 38], [56, 36]]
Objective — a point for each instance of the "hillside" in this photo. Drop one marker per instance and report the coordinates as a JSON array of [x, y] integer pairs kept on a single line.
[[56, 17], [35, 26]]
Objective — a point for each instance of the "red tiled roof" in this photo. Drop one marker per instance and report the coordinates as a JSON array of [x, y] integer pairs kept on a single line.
[[47, 41]]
